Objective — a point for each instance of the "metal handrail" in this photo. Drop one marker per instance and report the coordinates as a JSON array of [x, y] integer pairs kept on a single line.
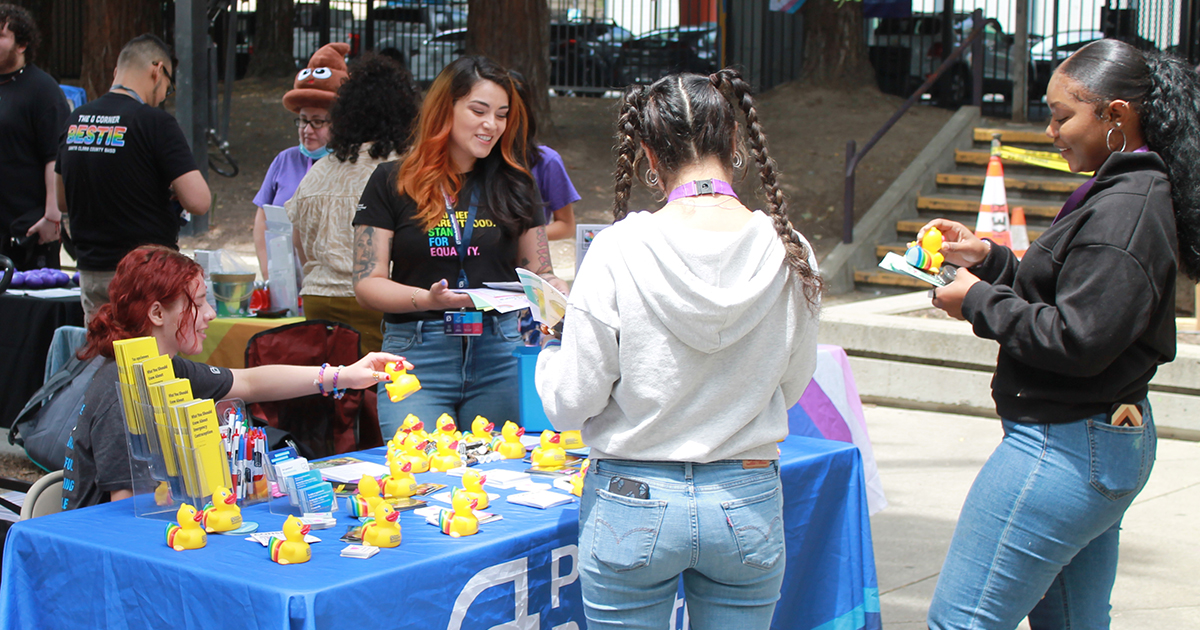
[[853, 156]]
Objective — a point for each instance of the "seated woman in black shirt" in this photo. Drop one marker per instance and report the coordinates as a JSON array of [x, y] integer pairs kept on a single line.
[[466, 162], [160, 293]]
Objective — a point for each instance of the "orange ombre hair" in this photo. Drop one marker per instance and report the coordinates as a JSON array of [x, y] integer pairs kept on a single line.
[[427, 170]]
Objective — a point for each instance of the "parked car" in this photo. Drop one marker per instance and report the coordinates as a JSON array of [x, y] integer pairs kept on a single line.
[[668, 50], [1049, 52], [427, 60], [399, 27], [918, 39], [582, 54]]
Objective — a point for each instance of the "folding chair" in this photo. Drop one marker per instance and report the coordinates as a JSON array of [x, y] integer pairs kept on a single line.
[[44, 497]]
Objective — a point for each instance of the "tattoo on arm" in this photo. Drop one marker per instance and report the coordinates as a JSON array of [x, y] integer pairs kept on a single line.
[[543, 251], [364, 252]]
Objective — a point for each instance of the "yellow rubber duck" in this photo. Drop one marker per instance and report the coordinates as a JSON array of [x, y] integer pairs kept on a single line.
[[400, 483], [577, 480], [413, 452], [414, 427], [460, 521], [481, 429], [187, 534], [291, 549], [549, 454], [925, 252], [384, 531], [447, 427], [571, 439], [402, 383], [447, 456], [368, 497], [472, 485], [509, 443], [223, 514]]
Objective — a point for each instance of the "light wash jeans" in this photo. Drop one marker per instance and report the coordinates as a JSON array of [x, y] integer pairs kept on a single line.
[[478, 377], [718, 525], [1039, 530]]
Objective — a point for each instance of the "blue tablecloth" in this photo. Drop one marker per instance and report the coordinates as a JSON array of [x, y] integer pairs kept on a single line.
[[102, 567]]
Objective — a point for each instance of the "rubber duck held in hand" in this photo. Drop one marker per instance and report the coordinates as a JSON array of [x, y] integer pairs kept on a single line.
[[447, 456], [461, 520], [925, 252], [384, 530], [187, 534], [549, 455], [472, 482], [223, 514], [368, 497], [447, 427], [291, 549], [402, 383], [481, 429], [509, 443], [400, 483]]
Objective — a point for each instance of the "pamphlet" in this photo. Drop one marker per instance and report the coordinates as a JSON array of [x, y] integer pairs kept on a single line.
[[895, 263], [544, 499], [547, 303]]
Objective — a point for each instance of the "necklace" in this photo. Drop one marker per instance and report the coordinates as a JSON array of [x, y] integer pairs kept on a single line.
[[13, 77], [702, 187]]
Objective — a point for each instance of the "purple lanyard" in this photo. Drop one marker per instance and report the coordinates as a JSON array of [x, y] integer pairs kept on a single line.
[[702, 187], [1077, 197]]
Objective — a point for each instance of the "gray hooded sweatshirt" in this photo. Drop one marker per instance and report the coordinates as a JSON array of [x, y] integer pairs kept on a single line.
[[681, 344]]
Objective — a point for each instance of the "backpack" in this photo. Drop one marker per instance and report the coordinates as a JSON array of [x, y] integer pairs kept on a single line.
[[43, 426]]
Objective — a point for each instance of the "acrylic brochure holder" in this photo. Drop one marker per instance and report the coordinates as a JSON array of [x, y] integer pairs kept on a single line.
[[282, 263]]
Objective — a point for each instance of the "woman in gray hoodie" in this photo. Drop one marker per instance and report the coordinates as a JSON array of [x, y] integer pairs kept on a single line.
[[690, 332]]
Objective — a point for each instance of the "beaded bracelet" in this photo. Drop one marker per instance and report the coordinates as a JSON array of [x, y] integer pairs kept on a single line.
[[338, 393], [320, 382]]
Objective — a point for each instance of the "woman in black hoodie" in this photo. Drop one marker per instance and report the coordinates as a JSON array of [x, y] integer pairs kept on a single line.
[[1082, 321]]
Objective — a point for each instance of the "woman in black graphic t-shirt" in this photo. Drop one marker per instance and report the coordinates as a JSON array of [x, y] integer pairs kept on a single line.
[[467, 159]]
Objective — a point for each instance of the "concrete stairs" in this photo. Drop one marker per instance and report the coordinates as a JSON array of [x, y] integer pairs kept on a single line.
[[955, 194]]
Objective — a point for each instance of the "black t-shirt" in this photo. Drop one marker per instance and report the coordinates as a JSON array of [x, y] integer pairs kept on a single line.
[[97, 460], [33, 110], [117, 158], [423, 257]]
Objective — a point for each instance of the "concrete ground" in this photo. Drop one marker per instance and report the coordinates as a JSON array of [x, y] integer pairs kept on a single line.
[[927, 462]]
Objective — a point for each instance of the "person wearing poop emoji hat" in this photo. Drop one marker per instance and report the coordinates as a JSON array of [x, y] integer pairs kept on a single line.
[[310, 98]]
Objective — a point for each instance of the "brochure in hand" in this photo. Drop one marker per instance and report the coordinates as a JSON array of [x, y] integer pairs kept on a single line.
[[547, 303], [895, 263]]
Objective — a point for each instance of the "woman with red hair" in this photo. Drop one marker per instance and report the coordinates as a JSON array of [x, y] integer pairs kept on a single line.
[[159, 292], [460, 209]]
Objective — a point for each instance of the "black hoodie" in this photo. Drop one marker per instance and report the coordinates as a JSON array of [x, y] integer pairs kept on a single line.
[[1086, 317]]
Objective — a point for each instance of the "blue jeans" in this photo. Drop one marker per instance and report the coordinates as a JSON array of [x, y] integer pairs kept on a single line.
[[463, 379], [1039, 530], [719, 526]]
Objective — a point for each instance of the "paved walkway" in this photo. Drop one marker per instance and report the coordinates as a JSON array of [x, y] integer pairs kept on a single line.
[[927, 462]]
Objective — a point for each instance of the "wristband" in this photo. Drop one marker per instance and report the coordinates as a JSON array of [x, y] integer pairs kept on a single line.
[[413, 297], [337, 394], [320, 382]]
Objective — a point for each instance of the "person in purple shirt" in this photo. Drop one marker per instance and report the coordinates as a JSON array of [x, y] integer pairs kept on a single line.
[[311, 97], [546, 166]]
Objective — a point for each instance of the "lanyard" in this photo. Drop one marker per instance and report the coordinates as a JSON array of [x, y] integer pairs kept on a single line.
[[135, 95], [462, 239]]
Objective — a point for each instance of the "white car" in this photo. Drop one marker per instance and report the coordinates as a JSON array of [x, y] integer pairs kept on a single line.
[[427, 60]]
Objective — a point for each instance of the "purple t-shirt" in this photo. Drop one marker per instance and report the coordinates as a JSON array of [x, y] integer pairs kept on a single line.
[[283, 177], [553, 182]]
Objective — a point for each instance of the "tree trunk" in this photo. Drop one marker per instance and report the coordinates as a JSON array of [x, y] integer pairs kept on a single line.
[[112, 23], [516, 34], [272, 40], [835, 54]]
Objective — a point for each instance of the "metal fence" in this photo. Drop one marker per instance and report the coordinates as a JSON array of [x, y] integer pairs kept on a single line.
[[904, 50]]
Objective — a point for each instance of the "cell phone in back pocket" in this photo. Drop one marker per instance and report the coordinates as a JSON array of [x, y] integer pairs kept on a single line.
[[629, 488]]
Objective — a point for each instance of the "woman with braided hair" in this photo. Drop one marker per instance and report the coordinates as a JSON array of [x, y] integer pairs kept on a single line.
[[1083, 321], [690, 331]]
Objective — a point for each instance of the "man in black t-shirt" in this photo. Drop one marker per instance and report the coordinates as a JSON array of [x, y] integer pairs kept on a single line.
[[121, 161], [33, 110]]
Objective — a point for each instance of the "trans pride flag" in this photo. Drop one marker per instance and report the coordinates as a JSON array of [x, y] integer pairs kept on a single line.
[[830, 409]]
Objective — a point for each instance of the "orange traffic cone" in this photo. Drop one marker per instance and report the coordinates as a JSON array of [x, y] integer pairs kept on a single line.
[[1020, 237], [993, 207]]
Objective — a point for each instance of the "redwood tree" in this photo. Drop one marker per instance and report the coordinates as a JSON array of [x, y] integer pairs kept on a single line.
[[272, 40], [110, 24], [515, 33], [835, 53]]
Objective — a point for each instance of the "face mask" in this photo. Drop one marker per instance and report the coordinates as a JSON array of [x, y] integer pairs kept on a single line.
[[314, 155]]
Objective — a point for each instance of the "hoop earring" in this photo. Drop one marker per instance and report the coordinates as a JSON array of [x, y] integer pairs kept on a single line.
[[738, 160], [1108, 137], [651, 177]]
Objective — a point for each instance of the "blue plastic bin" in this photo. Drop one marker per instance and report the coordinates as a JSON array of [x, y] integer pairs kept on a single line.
[[533, 416]]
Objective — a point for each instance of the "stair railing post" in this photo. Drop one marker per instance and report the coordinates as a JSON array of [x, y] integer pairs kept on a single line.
[[977, 59], [848, 198]]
